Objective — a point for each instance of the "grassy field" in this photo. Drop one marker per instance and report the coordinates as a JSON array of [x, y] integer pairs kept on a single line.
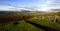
[[24, 26], [46, 22]]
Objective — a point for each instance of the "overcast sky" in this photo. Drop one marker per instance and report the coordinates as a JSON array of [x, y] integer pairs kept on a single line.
[[43, 5]]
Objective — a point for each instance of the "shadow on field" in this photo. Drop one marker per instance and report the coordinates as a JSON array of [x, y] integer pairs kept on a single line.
[[46, 28], [16, 19]]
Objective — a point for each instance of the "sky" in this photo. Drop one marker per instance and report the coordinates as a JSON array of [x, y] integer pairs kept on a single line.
[[41, 5]]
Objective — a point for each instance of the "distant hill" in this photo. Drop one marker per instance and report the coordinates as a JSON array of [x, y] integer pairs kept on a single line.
[[5, 13], [28, 11], [55, 10], [25, 11]]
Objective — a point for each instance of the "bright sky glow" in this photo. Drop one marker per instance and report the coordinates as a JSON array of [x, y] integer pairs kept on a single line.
[[41, 5]]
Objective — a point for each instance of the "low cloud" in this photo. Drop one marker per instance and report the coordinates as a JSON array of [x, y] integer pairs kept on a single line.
[[50, 4]]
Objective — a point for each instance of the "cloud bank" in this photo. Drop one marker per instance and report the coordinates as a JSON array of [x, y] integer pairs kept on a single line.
[[46, 5]]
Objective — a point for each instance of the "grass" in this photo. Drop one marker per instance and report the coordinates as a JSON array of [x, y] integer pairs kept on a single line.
[[22, 26], [45, 22]]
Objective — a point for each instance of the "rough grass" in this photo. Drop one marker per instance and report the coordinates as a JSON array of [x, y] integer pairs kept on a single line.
[[45, 22], [22, 26]]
